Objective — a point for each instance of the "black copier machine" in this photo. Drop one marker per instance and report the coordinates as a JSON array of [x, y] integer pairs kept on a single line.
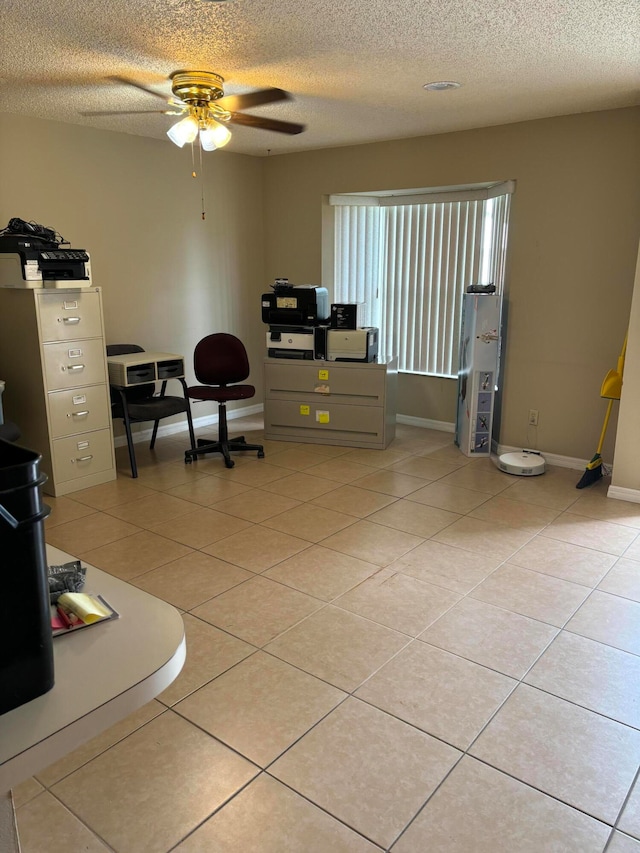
[[32, 256]]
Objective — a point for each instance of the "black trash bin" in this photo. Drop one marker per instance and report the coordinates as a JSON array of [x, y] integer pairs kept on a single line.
[[26, 646]]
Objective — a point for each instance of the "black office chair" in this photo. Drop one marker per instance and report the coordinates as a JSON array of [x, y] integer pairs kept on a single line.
[[138, 404], [221, 364]]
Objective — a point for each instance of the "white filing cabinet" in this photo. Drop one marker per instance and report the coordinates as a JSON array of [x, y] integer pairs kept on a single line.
[[330, 402], [53, 362]]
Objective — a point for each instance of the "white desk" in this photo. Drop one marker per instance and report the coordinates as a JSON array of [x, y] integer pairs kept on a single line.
[[102, 673]]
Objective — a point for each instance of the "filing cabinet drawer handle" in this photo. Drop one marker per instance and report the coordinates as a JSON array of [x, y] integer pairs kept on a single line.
[[71, 321], [82, 458], [74, 367], [78, 414]]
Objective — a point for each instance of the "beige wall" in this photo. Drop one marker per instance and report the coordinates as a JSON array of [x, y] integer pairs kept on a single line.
[[168, 278], [574, 234], [434, 399]]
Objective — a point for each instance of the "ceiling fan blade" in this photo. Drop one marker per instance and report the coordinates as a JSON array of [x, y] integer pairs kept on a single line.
[[128, 82], [127, 112], [252, 99], [266, 123]]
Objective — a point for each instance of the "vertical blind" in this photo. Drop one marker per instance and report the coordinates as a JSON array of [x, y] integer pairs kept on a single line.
[[408, 266], [359, 258]]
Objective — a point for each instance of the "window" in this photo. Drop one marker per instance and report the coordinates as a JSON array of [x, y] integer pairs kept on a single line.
[[409, 258]]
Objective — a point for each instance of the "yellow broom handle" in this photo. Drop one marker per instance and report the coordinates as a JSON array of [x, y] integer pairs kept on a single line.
[[604, 428], [622, 355]]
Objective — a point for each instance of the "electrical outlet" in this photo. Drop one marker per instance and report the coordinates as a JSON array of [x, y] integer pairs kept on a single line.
[[533, 417]]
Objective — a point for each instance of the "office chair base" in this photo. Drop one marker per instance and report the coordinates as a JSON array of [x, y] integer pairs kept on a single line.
[[223, 447]]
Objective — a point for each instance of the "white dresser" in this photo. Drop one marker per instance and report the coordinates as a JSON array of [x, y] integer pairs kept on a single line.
[[53, 362]]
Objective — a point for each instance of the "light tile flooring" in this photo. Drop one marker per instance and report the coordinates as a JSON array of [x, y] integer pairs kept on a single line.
[[397, 650]]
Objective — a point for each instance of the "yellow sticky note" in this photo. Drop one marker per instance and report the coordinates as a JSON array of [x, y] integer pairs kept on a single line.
[[323, 374], [305, 410], [322, 417], [86, 607]]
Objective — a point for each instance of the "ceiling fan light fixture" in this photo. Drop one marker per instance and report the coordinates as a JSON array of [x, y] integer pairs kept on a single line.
[[183, 131], [214, 135], [206, 140]]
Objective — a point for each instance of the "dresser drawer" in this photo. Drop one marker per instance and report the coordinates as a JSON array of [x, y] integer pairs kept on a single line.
[[82, 455], [74, 363], [322, 419], [67, 316], [79, 410], [287, 380]]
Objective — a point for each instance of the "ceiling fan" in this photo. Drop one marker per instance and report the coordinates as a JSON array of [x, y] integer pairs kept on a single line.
[[199, 97]]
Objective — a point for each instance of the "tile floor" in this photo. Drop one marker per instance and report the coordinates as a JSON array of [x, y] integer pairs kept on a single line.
[[399, 650]]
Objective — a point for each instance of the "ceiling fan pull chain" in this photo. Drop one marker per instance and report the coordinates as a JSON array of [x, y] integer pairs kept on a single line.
[[194, 174], [202, 180]]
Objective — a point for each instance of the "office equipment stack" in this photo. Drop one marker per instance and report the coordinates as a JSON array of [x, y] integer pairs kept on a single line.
[[302, 325]]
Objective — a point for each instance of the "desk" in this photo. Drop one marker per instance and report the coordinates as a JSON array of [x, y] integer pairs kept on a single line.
[[102, 673]]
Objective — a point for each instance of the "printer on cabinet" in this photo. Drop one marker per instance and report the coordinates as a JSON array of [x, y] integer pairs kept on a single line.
[[295, 305], [31, 256], [302, 342], [352, 344]]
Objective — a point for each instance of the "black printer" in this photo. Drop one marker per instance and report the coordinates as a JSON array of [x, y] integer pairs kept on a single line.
[[295, 305], [32, 256]]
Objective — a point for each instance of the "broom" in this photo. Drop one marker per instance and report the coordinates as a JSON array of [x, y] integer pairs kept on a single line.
[[611, 389], [593, 471]]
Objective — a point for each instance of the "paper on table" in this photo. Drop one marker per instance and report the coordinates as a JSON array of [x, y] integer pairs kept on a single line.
[[88, 608]]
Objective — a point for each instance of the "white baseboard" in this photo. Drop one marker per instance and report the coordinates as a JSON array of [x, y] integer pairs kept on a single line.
[[144, 435], [425, 423], [619, 493], [498, 449], [552, 458]]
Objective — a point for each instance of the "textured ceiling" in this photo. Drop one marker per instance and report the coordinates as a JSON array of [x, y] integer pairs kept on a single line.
[[355, 68]]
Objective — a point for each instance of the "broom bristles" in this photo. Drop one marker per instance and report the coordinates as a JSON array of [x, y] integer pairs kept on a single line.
[[593, 472]]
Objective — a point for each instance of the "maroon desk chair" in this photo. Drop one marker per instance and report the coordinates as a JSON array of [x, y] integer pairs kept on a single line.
[[221, 365]]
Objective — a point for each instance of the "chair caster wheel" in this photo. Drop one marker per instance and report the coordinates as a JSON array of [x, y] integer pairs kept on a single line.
[[188, 460], [261, 454], [229, 463]]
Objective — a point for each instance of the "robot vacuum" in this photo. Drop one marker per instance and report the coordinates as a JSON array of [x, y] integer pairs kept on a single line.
[[524, 463]]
